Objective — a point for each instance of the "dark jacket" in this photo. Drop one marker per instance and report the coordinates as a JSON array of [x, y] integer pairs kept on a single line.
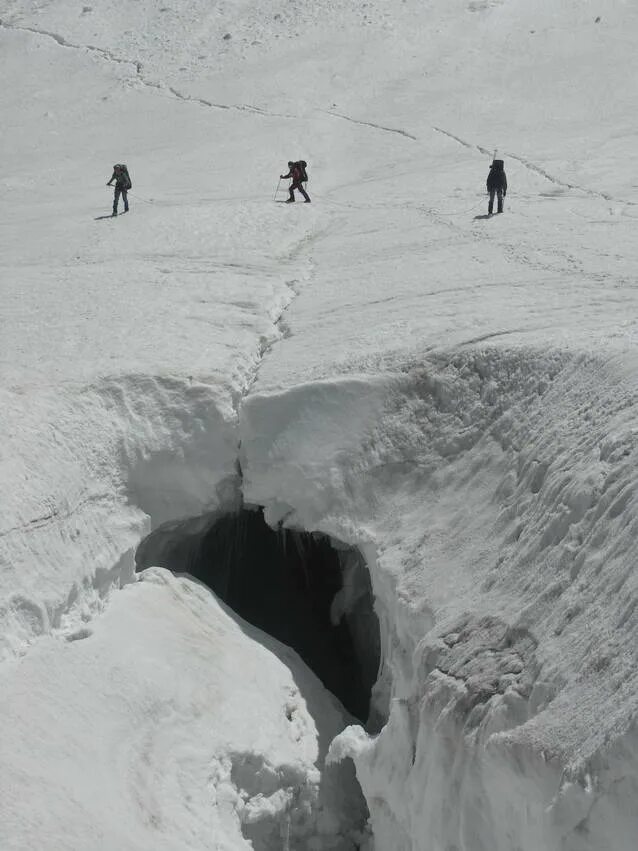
[[121, 178], [296, 172], [497, 179]]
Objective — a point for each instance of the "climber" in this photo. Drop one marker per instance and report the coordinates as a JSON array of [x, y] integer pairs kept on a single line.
[[496, 185], [296, 171]]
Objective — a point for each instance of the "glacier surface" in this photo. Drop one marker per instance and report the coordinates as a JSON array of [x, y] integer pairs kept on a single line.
[[454, 397]]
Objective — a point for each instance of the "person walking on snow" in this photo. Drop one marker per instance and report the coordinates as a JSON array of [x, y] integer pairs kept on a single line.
[[296, 171], [496, 185], [122, 186]]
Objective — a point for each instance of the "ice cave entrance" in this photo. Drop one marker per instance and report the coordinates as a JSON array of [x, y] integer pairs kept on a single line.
[[305, 589]]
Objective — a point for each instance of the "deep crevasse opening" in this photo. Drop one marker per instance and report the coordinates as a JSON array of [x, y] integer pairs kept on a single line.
[[314, 595], [304, 589]]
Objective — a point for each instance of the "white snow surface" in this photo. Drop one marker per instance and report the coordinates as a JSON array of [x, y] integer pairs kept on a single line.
[[455, 396]]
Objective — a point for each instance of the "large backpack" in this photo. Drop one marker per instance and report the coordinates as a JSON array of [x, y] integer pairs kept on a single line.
[[122, 176], [302, 165], [496, 177]]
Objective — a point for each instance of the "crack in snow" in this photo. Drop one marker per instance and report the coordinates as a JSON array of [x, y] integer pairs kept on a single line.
[[55, 514], [35, 523], [504, 333], [60, 40], [370, 124], [266, 344], [462, 142], [281, 328], [210, 104], [536, 169], [156, 85]]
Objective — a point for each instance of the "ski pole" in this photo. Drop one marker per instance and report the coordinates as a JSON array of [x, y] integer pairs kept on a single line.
[[276, 190]]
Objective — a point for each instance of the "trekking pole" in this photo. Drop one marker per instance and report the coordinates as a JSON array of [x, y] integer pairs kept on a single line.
[[139, 198], [276, 190], [136, 196]]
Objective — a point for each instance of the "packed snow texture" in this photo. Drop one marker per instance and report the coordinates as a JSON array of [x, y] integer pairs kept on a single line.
[[454, 396]]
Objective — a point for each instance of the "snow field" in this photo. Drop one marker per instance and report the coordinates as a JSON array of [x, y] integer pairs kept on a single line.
[[453, 396]]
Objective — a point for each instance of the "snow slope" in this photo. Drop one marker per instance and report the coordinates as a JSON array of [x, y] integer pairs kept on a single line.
[[453, 395]]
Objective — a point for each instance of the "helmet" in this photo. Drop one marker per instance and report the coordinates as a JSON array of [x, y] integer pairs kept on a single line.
[[290, 163]]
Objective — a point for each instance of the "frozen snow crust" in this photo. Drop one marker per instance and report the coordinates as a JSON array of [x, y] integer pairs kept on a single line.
[[454, 397]]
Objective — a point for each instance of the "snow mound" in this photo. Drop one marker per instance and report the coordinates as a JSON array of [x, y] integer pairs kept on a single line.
[[185, 721]]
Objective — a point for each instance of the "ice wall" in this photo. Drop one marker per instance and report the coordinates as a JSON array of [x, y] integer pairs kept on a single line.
[[495, 507]]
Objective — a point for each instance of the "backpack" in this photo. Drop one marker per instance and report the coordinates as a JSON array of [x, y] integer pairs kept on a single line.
[[496, 176], [122, 176], [302, 165]]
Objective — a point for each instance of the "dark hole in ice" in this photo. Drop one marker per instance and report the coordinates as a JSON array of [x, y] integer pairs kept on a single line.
[[296, 586]]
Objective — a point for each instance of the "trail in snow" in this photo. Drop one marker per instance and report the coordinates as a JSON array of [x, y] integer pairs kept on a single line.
[[532, 255]]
